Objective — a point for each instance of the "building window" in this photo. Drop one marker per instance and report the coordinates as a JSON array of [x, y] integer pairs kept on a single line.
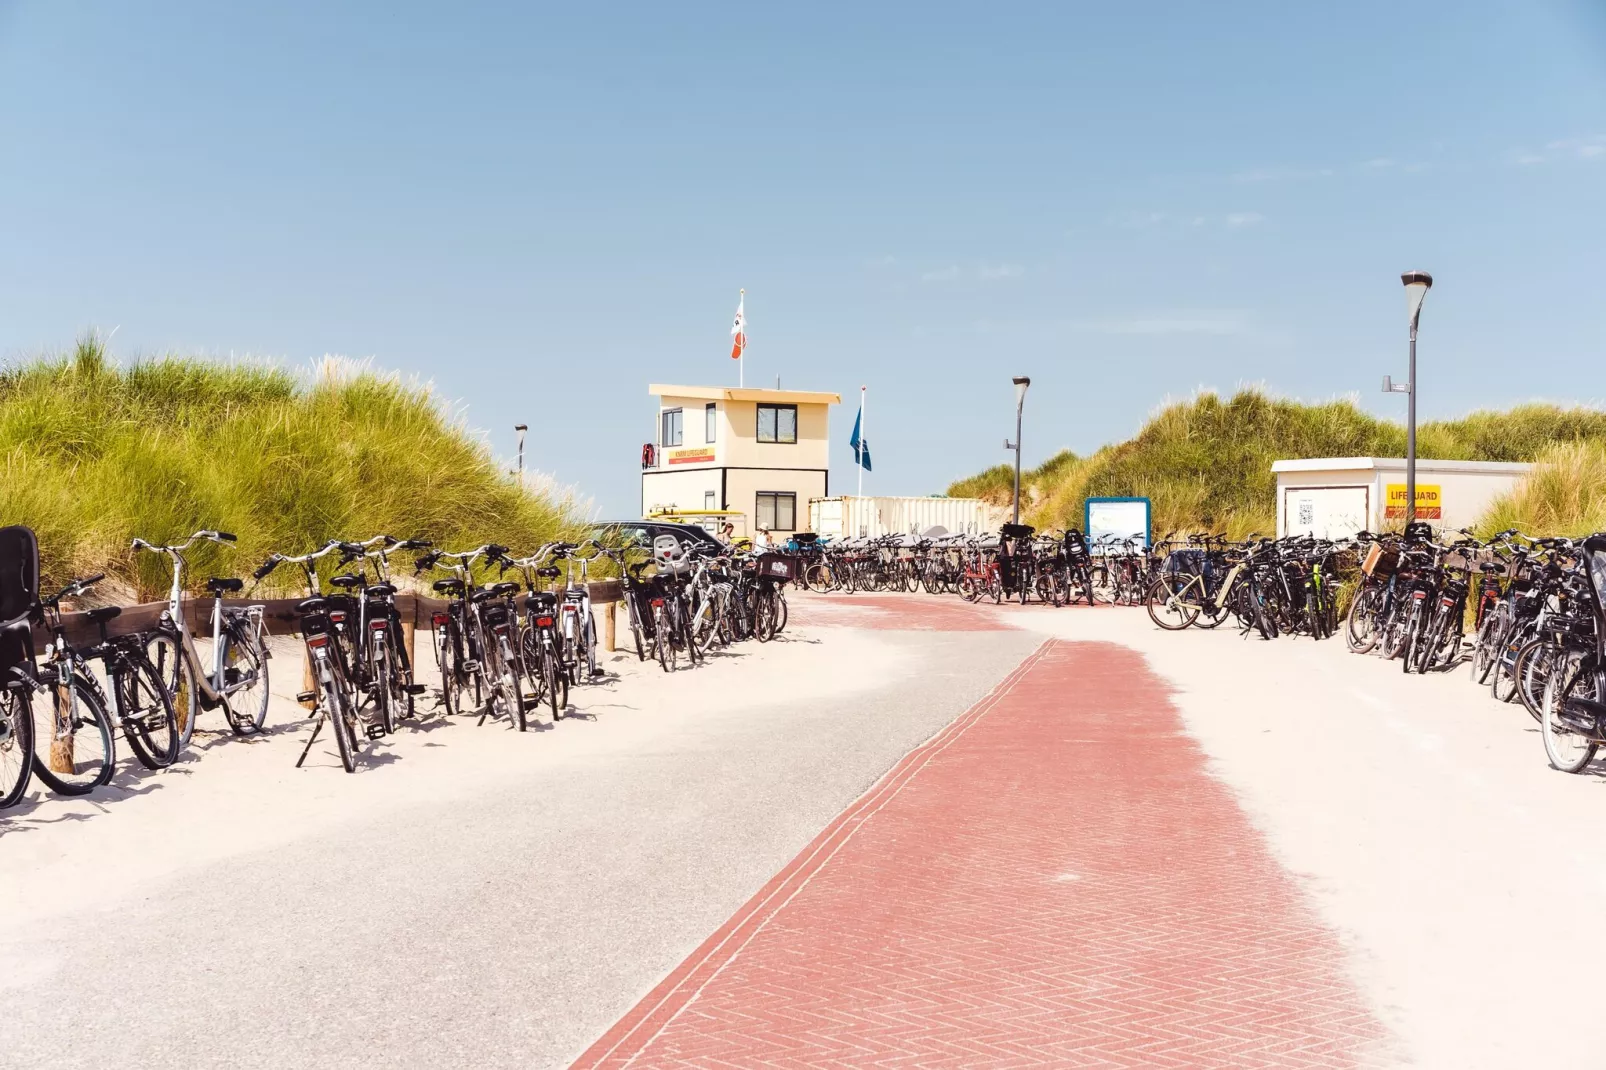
[[672, 430], [776, 511], [777, 423], [709, 421], [708, 501]]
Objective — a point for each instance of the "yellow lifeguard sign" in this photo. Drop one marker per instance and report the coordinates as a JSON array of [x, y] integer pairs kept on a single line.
[[1429, 504]]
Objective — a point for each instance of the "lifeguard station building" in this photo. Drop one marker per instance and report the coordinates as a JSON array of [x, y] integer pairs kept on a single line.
[[763, 453]]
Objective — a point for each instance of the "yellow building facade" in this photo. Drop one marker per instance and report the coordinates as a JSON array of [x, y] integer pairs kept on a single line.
[[763, 453]]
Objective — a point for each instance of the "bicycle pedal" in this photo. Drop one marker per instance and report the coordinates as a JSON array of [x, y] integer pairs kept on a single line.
[[470, 666], [307, 696], [414, 689], [374, 731]]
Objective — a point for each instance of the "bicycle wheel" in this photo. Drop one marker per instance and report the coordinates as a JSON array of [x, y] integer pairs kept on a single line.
[[16, 745], [173, 669], [341, 716], [245, 661], [588, 654], [1427, 646], [1533, 668], [74, 752], [663, 639], [557, 685], [446, 662], [1491, 634], [146, 712], [1569, 734], [1361, 623], [1169, 602], [512, 693], [764, 616]]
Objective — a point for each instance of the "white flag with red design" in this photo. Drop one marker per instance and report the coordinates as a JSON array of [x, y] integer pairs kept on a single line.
[[739, 328]]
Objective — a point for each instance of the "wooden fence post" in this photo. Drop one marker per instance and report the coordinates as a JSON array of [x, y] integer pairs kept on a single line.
[[610, 626], [61, 749]]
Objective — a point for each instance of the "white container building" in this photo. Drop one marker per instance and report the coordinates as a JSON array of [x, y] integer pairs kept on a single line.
[[851, 516], [1334, 497]]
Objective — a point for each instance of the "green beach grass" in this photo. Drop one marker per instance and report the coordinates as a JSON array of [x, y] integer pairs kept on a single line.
[[1206, 463], [96, 453]]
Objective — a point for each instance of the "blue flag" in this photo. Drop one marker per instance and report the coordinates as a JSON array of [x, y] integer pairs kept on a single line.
[[861, 446]]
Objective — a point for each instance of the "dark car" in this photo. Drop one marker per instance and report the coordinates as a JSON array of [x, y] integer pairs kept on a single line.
[[642, 532]]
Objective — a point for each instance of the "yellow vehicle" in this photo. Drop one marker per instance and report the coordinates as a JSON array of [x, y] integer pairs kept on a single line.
[[712, 521]]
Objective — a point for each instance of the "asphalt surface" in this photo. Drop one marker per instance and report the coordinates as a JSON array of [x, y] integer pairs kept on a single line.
[[504, 917]]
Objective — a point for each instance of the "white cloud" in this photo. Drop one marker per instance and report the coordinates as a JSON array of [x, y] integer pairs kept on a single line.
[[947, 274], [1244, 219], [992, 272], [1592, 147]]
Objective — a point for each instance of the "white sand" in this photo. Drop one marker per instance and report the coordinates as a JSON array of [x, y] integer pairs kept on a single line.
[[1423, 819]]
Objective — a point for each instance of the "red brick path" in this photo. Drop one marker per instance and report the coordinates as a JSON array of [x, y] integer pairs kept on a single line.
[[1054, 880], [895, 612]]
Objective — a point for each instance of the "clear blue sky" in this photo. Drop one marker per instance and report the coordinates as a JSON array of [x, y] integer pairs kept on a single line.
[[543, 208]]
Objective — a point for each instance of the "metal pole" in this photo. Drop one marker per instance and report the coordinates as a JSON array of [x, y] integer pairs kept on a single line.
[[521, 428], [1410, 437], [859, 461], [1020, 404]]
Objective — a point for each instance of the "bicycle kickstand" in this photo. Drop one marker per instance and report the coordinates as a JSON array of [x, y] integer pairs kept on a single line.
[[322, 716]]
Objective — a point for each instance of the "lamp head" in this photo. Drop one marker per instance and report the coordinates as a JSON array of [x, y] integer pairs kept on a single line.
[[1417, 284], [521, 427], [1021, 383]]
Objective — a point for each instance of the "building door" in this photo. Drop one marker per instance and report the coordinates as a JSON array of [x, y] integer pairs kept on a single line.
[[1325, 512]]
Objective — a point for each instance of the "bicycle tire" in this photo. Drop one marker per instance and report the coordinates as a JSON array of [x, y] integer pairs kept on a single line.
[[89, 712], [340, 716], [166, 653], [1574, 678], [146, 712], [1533, 666], [16, 745], [1163, 591], [247, 707], [1363, 611], [1491, 635]]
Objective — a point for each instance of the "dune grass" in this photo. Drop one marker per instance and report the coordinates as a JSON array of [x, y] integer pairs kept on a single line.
[[1564, 494], [1206, 463], [95, 454]]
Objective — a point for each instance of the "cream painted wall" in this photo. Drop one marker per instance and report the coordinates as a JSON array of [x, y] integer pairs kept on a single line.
[[742, 486]]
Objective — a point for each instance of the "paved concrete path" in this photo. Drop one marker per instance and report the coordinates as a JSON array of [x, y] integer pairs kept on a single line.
[[1053, 880], [471, 898]]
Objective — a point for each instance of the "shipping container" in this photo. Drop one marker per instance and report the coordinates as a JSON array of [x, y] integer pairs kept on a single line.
[[849, 516]]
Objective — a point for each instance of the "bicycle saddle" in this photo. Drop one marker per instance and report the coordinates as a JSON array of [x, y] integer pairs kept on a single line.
[[104, 614], [380, 590], [312, 605], [1492, 566], [542, 599], [347, 581], [219, 586], [448, 586], [552, 571]]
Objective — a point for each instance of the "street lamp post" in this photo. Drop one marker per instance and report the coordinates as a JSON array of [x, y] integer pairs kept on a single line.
[[1021, 383], [521, 428], [1417, 284]]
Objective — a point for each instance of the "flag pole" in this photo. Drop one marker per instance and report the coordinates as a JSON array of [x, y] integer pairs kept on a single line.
[[859, 453]]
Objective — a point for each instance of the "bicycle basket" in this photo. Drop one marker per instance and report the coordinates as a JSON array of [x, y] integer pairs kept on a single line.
[[1380, 562], [1016, 531], [777, 566]]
